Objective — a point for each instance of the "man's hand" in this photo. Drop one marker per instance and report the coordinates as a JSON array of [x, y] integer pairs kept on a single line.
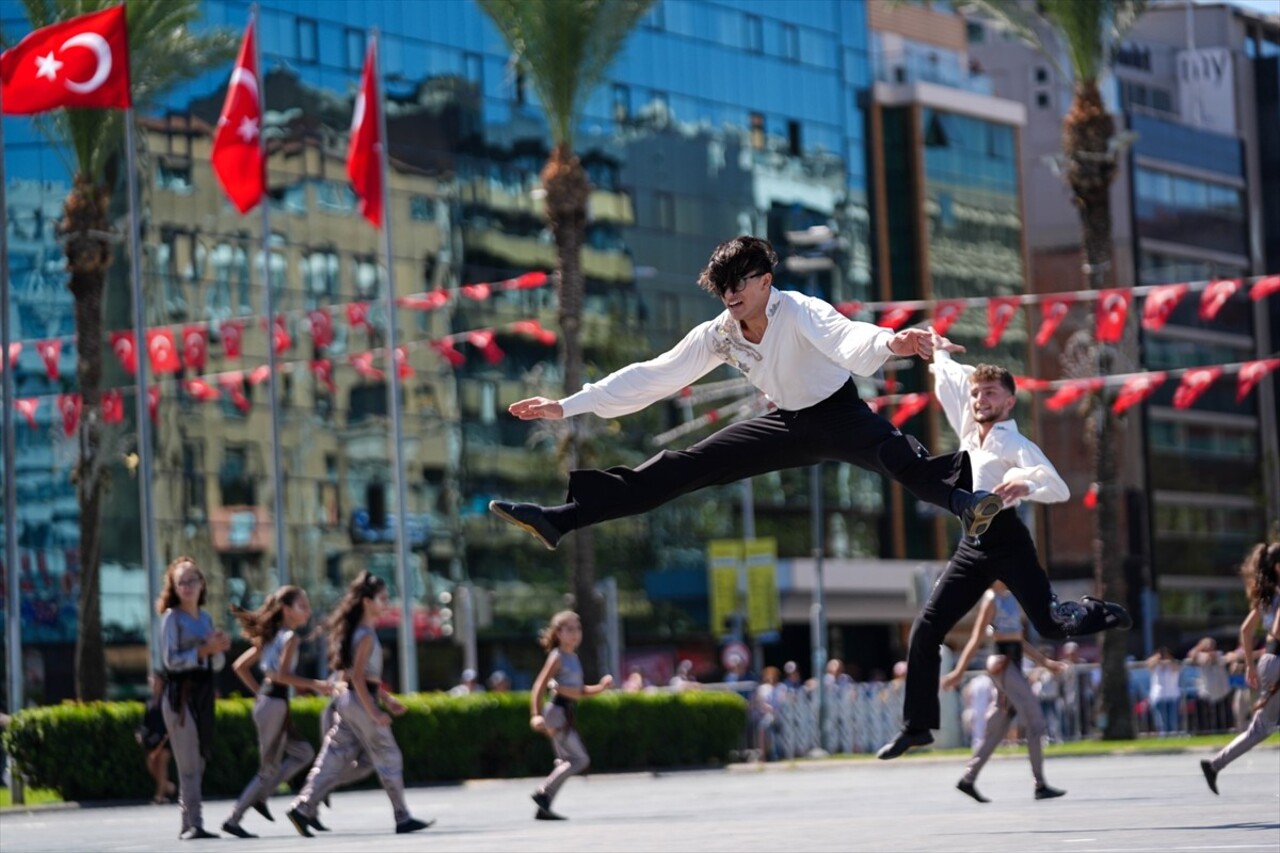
[[920, 342], [1014, 490], [537, 408]]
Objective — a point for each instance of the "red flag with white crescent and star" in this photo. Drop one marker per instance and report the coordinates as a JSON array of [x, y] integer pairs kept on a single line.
[[364, 150], [236, 155], [82, 62]]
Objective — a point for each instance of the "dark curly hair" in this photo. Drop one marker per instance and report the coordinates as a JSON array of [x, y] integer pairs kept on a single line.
[[735, 259], [347, 615], [262, 625], [1260, 570]]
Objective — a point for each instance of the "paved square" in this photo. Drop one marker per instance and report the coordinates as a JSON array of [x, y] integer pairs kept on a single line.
[[1114, 803]]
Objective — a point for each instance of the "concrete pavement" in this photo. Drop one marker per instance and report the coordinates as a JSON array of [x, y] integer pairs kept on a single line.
[[1114, 803]]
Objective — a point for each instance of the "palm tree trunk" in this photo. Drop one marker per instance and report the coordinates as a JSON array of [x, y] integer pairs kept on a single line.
[[567, 192], [1091, 167], [88, 256]]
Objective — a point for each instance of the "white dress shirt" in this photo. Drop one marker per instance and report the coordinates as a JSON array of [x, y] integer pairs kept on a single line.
[[808, 352], [1007, 455]]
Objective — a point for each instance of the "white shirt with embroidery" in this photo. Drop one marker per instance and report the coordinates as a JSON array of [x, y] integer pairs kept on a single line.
[[809, 350], [1007, 455]]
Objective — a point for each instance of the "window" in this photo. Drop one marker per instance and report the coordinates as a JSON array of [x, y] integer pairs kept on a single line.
[[519, 84], [192, 481], [308, 46], [753, 34], [355, 49], [173, 174], [976, 32], [657, 17], [621, 102], [756, 124], [790, 43], [793, 138], [666, 211], [473, 68], [1042, 74], [234, 481], [1042, 100], [422, 208]]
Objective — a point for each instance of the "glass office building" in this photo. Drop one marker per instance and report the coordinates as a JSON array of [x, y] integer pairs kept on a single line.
[[718, 118]]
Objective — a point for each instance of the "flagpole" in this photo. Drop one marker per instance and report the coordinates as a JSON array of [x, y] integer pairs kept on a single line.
[[277, 468], [13, 592], [146, 505], [408, 644]]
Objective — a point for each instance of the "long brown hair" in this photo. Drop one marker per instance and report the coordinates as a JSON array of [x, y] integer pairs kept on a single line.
[[1259, 571], [549, 637], [347, 615], [262, 625], [168, 597]]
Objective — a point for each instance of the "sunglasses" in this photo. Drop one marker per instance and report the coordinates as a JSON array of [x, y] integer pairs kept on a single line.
[[737, 286]]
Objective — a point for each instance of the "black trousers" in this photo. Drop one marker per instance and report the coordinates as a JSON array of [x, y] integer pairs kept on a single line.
[[1005, 553], [840, 428]]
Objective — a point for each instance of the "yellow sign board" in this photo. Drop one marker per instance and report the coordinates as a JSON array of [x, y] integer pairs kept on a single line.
[[724, 561], [761, 557]]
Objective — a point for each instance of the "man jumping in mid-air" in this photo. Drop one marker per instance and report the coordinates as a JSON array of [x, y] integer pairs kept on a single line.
[[801, 353]]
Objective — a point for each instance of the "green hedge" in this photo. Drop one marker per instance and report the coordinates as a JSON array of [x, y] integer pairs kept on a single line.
[[87, 751]]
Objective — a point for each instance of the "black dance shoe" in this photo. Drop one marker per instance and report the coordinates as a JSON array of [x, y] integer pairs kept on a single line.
[[968, 788], [1118, 619], [237, 830], [1210, 775], [906, 739], [412, 825], [197, 833], [529, 518], [300, 822], [980, 513], [1044, 792], [261, 808]]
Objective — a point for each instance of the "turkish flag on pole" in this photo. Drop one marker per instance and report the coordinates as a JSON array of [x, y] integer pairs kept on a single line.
[[364, 151], [237, 148], [83, 62]]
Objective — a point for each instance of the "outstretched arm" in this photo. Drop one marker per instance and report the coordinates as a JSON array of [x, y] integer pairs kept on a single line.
[[985, 614]]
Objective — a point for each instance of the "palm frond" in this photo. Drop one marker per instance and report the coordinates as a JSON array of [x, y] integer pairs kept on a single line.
[[1087, 28], [565, 48]]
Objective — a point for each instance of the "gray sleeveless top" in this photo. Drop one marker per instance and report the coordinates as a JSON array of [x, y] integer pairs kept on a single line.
[[570, 674], [273, 651], [1008, 618], [372, 667]]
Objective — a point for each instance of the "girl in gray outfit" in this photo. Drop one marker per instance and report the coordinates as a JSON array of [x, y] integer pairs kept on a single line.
[[1261, 572], [361, 725], [563, 674], [191, 650], [282, 752], [1000, 620]]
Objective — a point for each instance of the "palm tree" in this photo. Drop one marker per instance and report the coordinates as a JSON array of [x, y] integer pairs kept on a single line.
[[163, 52], [564, 49], [1086, 29]]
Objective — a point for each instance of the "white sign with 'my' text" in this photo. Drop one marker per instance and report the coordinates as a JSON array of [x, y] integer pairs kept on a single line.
[[1206, 89]]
